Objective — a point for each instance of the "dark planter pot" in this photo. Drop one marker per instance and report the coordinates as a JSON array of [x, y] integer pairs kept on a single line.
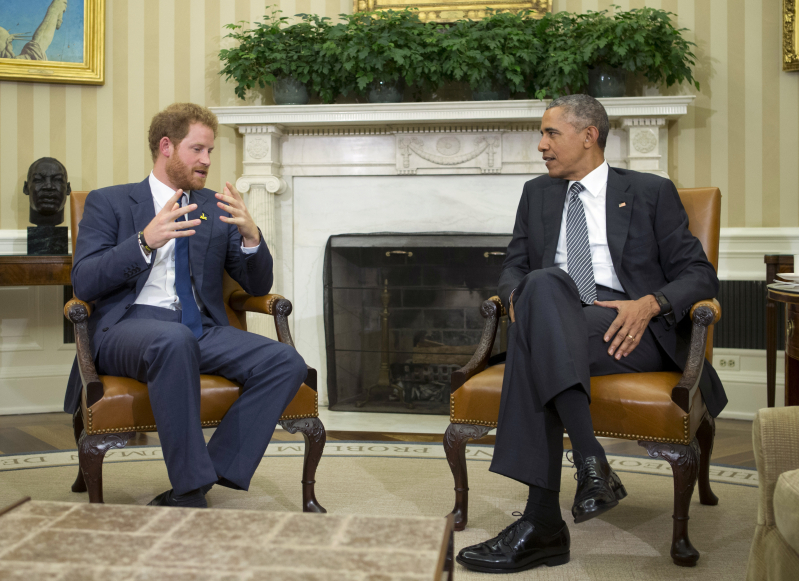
[[605, 81], [386, 91], [490, 91], [289, 91]]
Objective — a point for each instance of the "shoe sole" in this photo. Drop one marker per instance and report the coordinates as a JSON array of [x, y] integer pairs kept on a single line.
[[620, 494], [553, 561]]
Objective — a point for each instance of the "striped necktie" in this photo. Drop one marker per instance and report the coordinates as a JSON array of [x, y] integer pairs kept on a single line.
[[578, 252], [190, 312]]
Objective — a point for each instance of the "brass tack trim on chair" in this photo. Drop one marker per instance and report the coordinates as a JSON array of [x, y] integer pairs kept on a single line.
[[639, 437], [205, 424], [455, 420]]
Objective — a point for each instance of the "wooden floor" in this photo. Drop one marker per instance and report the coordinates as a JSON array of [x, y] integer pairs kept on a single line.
[[43, 432]]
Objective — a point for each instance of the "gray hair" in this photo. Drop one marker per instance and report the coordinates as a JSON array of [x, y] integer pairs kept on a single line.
[[585, 111]]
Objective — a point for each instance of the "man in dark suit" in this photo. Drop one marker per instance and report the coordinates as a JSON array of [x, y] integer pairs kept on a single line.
[[598, 278], [152, 256]]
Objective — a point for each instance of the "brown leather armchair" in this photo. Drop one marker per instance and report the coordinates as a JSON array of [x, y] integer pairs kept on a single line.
[[664, 411], [113, 409]]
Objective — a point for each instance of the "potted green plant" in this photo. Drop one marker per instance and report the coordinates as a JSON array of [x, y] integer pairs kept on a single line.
[[635, 41], [561, 69], [495, 55], [378, 53], [289, 58]]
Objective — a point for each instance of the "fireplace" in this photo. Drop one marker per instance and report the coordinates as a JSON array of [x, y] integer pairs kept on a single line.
[[310, 172], [402, 311]]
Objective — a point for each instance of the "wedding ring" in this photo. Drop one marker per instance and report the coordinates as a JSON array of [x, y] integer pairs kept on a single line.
[[631, 338]]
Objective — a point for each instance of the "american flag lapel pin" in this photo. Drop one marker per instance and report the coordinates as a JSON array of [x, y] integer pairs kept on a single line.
[[622, 204]]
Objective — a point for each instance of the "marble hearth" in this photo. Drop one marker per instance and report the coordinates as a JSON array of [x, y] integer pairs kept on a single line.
[[316, 170]]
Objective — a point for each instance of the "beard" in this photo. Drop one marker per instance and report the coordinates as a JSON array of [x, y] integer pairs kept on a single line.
[[183, 177]]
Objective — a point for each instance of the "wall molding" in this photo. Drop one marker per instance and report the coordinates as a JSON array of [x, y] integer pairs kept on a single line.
[[16, 241], [741, 250]]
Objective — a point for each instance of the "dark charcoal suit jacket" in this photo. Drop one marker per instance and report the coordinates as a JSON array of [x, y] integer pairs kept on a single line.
[[109, 269], [650, 245]]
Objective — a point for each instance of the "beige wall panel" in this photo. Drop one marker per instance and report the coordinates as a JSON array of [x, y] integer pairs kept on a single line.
[[137, 157], [770, 54], [166, 64], [25, 151], [121, 97], [737, 114], [742, 134], [752, 57], [9, 192]]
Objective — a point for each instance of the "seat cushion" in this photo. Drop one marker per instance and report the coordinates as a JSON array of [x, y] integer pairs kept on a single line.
[[125, 405], [633, 406], [786, 507]]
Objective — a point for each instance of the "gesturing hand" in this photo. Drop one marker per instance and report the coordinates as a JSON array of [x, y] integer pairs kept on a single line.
[[239, 215], [164, 228], [630, 323]]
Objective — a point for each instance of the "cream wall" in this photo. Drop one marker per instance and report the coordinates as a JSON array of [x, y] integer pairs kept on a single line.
[[157, 52], [742, 135]]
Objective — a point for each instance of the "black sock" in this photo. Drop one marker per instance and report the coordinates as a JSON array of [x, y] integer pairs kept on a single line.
[[543, 510], [572, 407]]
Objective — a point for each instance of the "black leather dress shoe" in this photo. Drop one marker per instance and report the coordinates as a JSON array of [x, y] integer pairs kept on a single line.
[[193, 499], [517, 548], [598, 489]]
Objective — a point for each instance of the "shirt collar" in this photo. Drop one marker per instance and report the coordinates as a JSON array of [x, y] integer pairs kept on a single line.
[[161, 191], [595, 181]]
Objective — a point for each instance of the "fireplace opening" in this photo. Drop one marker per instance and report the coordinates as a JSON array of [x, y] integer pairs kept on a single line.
[[402, 312]]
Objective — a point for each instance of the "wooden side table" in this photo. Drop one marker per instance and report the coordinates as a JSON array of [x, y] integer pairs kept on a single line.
[[775, 264], [35, 270], [789, 295]]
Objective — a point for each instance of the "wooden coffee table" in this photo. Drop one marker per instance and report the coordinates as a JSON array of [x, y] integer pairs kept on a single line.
[[60, 540]]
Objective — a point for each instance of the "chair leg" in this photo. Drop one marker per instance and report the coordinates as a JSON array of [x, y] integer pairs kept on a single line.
[[455, 439], [77, 427], [315, 436], [91, 452], [684, 462], [705, 436]]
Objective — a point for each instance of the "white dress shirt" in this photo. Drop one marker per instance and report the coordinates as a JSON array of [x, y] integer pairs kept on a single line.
[[593, 199], [159, 290]]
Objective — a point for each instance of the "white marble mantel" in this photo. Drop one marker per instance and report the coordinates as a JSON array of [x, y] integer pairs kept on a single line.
[[311, 171]]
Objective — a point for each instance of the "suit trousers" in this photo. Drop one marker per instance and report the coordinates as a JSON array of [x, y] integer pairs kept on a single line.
[[151, 345], [555, 344]]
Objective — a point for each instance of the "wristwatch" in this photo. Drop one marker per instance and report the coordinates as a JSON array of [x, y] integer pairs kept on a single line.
[[665, 308], [143, 244]]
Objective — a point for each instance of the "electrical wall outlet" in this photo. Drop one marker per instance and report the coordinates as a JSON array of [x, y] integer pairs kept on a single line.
[[727, 363]]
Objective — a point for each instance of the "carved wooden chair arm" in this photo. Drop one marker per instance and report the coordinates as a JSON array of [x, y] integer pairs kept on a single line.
[[78, 312], [712, 304], [491, 310], [276, 305], [72, 308], [241, 301], [703, 314]]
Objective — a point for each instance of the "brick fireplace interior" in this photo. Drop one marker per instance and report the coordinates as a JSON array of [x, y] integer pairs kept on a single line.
[[402, 311]]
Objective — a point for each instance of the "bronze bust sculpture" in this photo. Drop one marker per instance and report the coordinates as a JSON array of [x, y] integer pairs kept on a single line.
[[47, 187]]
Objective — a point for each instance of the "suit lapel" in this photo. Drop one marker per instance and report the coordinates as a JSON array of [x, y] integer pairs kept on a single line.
[[552, 215], [618, 211], [198, 244], [143, 208], [143, 211]]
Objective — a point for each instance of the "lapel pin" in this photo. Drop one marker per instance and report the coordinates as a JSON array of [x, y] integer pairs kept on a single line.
[[203, 216], [620, 205]]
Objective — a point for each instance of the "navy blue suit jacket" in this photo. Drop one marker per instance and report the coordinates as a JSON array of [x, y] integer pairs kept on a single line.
[[109, 269], [650, 246]]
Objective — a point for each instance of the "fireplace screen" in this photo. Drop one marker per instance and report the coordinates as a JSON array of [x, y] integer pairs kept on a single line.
[[402, 312]]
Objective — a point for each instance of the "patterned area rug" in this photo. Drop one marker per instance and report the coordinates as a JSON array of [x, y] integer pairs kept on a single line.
[[631, 542]]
